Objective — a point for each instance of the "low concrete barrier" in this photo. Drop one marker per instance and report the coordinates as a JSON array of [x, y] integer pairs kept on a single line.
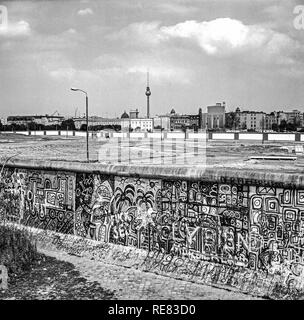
[[281, 137], [223, 136], [292, 137], [120, 135], [175, 135], [200, 136], [51, 133], [37, 133], [80, 133], [155, 135], [136, 135], [26, 133], [250, 136]]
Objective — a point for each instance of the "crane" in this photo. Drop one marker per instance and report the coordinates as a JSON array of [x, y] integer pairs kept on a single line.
[[55, 113]]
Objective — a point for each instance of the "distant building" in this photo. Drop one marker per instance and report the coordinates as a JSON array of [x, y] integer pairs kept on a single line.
[[134, 122], [252, 120], [259, 121], [3, 121], [126, 121], [96, 121], [162, 122], [125, 115], [38, 119], [280, 116], [134, 114], [185, 121], [270, 120], [215, 118], [137, 124], [295, 117]]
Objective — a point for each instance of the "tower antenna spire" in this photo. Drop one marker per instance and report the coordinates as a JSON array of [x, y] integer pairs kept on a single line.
[[148, 93]]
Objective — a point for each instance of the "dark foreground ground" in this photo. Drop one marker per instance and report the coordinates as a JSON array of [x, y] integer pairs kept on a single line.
[[52, 279], [60, 276]]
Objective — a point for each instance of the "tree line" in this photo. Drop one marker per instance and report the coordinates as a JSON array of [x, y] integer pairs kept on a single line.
[[233, 123], [65, 125]]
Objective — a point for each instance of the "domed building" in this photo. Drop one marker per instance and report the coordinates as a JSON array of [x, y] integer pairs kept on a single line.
[[172, 112], [125, 116]]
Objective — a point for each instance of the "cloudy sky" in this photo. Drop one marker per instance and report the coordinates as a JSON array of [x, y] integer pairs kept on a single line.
[[245, 52]]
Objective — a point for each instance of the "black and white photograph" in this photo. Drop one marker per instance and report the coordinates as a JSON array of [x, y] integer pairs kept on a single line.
[[152, 153]]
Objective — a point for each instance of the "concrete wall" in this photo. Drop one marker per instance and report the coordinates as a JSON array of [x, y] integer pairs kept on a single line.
[[251, 136], [174, 135], [22, 132], [222, 136], [120, 134], [80, 133], [281, 137], [201, 136], [51, 133], [245, 235], [291, 137], [155, 135]]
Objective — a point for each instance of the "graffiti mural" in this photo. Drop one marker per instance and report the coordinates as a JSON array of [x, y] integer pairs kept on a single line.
[[12, 183], [94, 195], [133, 211], [119, 211], [276, 229], [49, 201], [203, 219]]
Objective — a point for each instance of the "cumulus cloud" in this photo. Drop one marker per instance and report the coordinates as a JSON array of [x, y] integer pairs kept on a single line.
[[84, 12], [224, 36], [220, 37], [217, 36], [21, 28]]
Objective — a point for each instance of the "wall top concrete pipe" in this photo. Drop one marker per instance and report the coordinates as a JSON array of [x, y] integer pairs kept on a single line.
[[253, 176]]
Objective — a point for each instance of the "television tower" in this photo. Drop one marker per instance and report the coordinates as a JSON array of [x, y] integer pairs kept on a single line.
[[148, 94]]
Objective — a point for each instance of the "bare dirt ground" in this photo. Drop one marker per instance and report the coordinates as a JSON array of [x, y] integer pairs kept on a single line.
[[61, 276], [131, 284], [234, 154], [53, 279]]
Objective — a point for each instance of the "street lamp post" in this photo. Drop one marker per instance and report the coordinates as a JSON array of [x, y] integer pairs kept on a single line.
[[263, 128], [87, 118]]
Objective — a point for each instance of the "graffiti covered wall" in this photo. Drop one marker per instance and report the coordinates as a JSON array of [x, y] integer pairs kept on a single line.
[[241, 226], [39, 199]]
